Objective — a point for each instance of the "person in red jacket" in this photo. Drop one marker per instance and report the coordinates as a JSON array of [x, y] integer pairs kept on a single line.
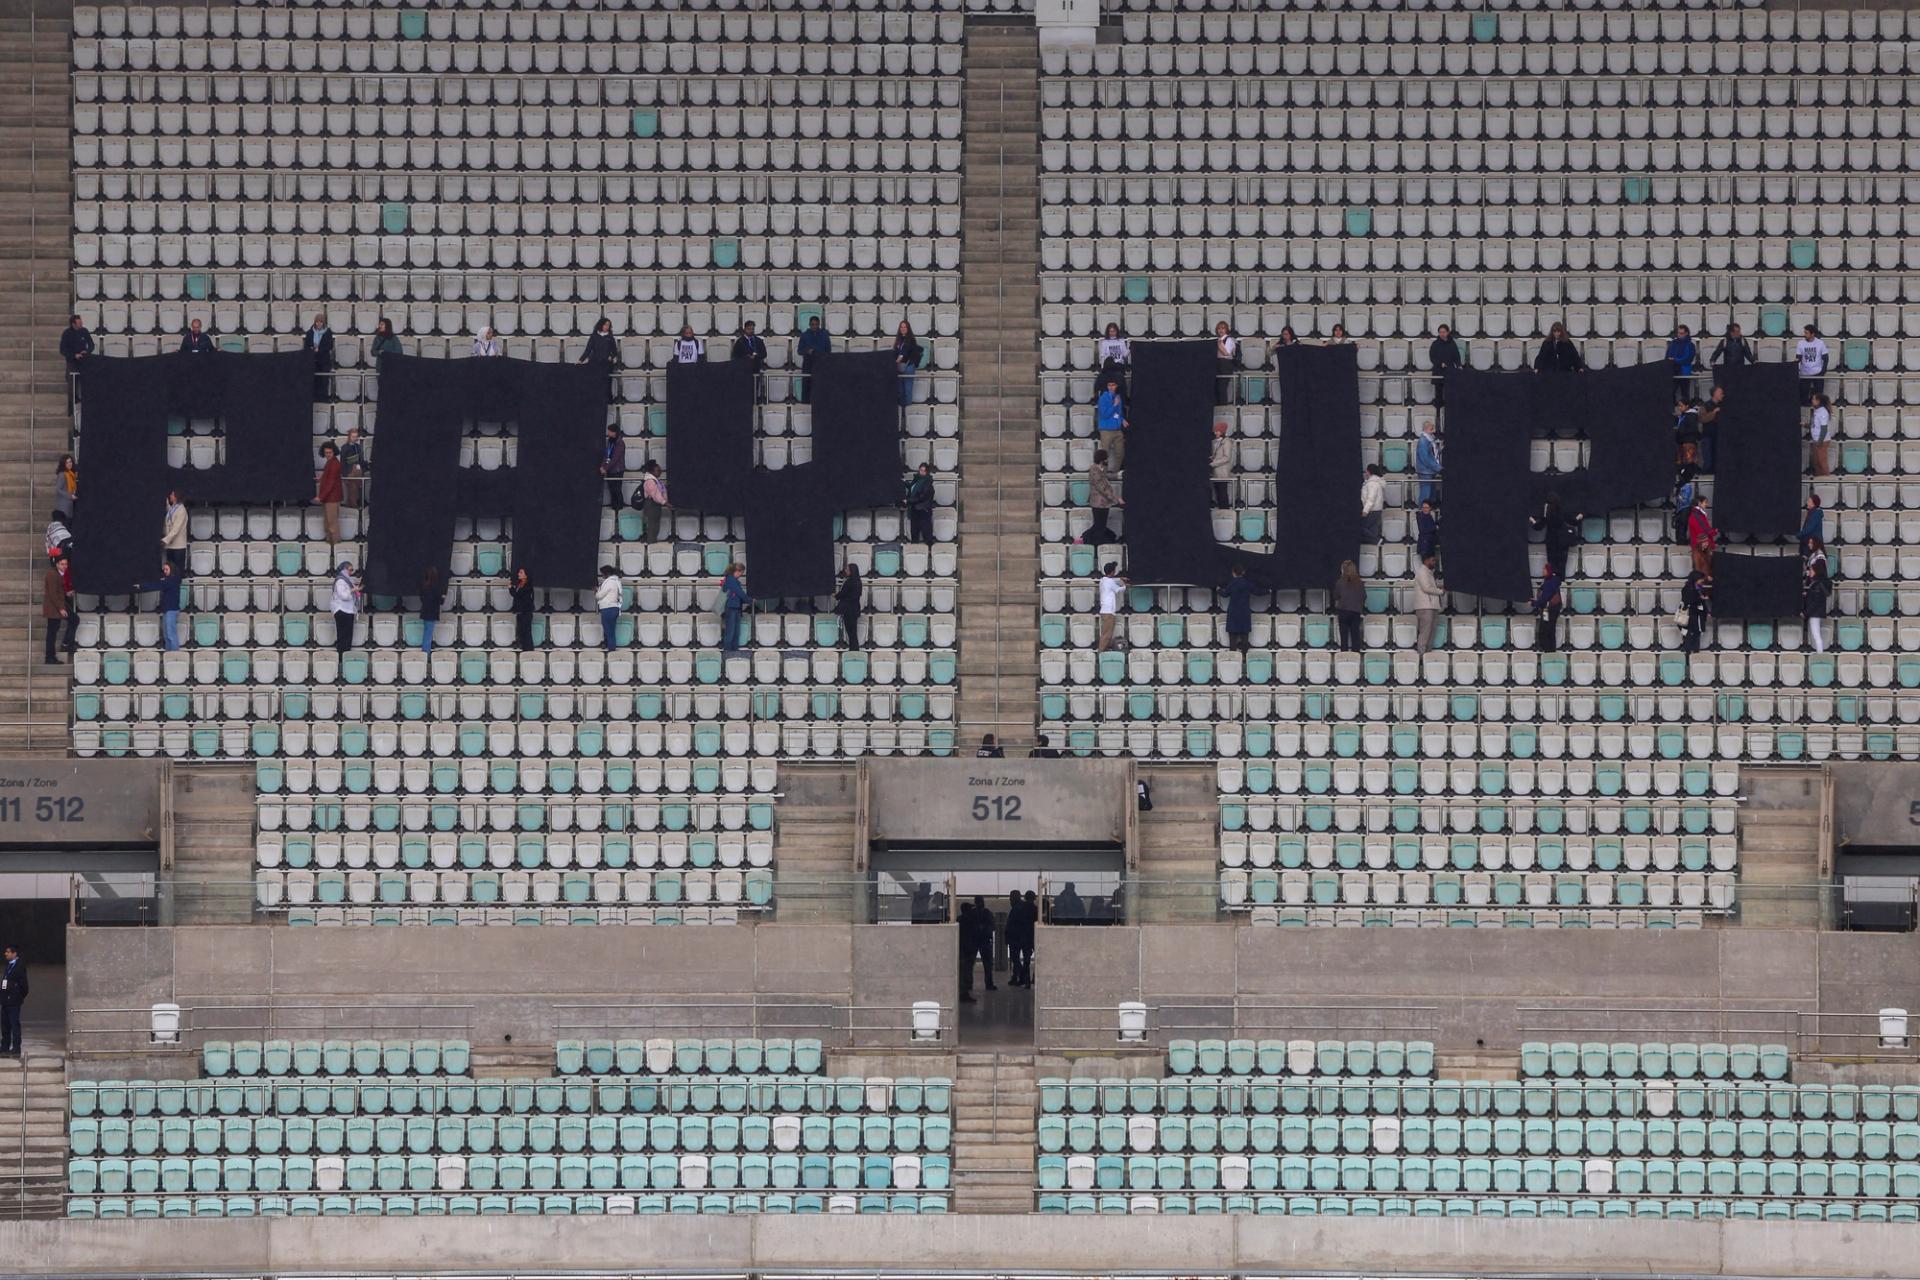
[[1701, 535], [327, 490]]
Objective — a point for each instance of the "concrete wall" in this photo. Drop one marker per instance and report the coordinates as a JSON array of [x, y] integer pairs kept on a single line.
[[489, 984], [1474, 986], [1181, 1246]]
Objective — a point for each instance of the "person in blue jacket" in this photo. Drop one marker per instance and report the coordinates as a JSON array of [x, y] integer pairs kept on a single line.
[[1111, 418], [1681, 355], [1814, 528], [733, 592], [168, 585], [1239, 594], [1426, 462], [1546, 608], [814, 342]]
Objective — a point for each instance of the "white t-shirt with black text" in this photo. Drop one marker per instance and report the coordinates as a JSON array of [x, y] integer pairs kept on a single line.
[[1812, 355]]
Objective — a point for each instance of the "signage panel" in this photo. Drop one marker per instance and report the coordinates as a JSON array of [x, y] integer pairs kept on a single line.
[[80, 802], [975, 801]]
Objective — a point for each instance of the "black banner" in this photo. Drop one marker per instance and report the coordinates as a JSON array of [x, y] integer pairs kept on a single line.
[[1486, 489], [856, 429], [1756, 475], [123, 455], [710, 436]]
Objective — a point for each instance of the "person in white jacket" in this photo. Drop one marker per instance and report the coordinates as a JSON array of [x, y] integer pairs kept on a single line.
[[609, 596], [346, 606], [1428, 599], [1373, 498], [486, 342], [1220, 467]]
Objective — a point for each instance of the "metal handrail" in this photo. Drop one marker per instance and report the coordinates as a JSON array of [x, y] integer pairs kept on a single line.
[[294, 1015]]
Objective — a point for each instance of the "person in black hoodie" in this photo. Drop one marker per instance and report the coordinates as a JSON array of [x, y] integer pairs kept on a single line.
[[522, 596], [967, 933], [1730, 352], [920, 506], [1562, 529], [13, 994], [906, 359], [846, 605], [76, 344], [1444, 356], [603, 349], [1019, 935], [318, 342], [752, 348], [432, 592], [1559, 353]]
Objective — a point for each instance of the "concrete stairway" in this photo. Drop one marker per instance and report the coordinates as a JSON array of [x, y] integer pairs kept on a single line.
[[995, 1099], [999, 390], [33, 1132], [213, 841], [1780, 849], [35, 261], [1178, 880], [813, 875]]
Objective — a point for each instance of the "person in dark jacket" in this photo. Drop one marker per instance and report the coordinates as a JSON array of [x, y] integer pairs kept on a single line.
[[1562, 529], [196, 343], [1696, 597], [1043, 749], [1427, 532], [907, 355], [1682, 354], [317, 341], [13, 994], [385, 341], [76, 344], [989, 748], [1731, 352], [846, 606], [603, 349], [920, 505], [613, 468], [1444, 356], [813, 344], [1349, 602], [984, 927], [733, 602], [1546, 609], [1818, 594], [1814, 528], [752, 348], [354, 465], [168, 606], [1019, 934], [1559, 353], [56, 606], [432, 592], [966, 932], [1239, 596], [1068, 906], [522, 595], [652, 500]]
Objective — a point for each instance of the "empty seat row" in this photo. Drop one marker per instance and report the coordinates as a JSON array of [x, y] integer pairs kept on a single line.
[[552, 1204]]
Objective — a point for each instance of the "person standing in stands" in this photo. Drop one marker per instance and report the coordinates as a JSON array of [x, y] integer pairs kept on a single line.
[[1043, 749], [486, 342], [1338, 338], [608, 597], [1696, 600], [813, 344], [752, 348], [1220, 467], [1373, 500], [354, 465], [733, 599], [1816, 596], [907, 355], [327, 490], [1559, 353], [968, 933], [1101, 499], [432, 592], [1730, 352], [1811, 355], [920, 505], [846, 605], [1116, 356], [1426, 462], [1226, 363], [1018, 931], [989, 749], [520, 593], [66, 486], [318, 343], [613, 469], [1113, 585], [1429, 597], [1443, 354], [173, 533], [168, 605], [1682, 353], [196, 343], [346, 606], [688, 349], [603, 349], [1110, 420], [1814, 528], [1546, 611], [1427, 532], [1349, 602], [652, 500], [56, 607], [59, 538], [1068, 906], [983, 931], [1708, 415], [13, 994], [1702, 537], [76, 344], [1562, 530], [385, 341], [1287, 338], [1239, 595], [1816, 554], [1820, 435]]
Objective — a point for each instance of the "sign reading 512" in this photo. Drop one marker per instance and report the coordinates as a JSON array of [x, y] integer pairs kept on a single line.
[[45, 809]]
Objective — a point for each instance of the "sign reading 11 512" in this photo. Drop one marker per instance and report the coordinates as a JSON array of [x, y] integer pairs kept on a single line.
[[45, 809]]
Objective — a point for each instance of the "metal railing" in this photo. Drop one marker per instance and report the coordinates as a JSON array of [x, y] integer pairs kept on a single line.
[[1089, 1027], [837, 1024], [98, 1030], [1806, 1033]]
